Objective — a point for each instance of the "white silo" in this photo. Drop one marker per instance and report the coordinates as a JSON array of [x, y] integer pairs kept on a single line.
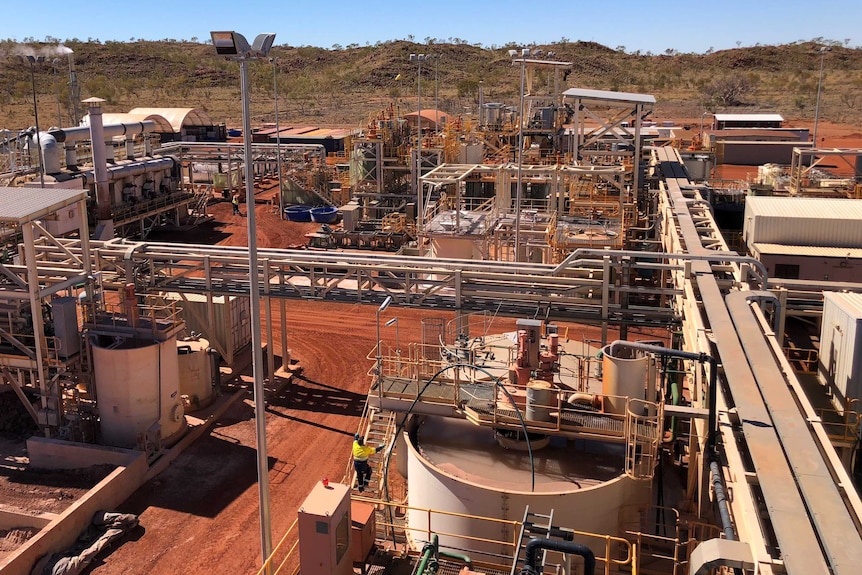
[[137, 387]]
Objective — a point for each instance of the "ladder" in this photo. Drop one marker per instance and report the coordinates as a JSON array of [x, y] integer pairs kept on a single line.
[[533, 525], [378, 428]]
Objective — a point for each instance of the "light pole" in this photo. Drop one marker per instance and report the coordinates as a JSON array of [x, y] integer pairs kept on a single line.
[[702, 116], [234, 46], [379, 362], [524, 53], [277, 137], [419, 58], [389, 323], [33, 61], [54, 63], [823, 51], [436, 94]]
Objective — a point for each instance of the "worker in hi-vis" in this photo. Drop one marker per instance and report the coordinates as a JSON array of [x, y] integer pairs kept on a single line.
[[361, 453]]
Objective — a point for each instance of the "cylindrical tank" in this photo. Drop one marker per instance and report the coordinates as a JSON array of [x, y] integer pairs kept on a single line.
[[458, 468], [539, 397], [137, 386], [624, 375], [196, 372]]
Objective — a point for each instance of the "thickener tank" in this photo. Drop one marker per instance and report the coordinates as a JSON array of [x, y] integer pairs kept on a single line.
[[196, 371], [137, 386], [459, 468]]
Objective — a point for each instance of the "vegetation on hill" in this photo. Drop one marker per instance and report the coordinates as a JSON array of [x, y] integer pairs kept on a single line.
[[343, 85]]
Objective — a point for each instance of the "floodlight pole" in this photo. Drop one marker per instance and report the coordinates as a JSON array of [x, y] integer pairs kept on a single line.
[[379, 361], [32, 60], [277, 137], [823, 51], [524, 53], [256, 338], [235, 47]]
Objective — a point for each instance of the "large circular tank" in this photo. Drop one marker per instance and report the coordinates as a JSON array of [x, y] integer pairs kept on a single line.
[[137, 385], [195, 372], [458, 467], [624, 375]]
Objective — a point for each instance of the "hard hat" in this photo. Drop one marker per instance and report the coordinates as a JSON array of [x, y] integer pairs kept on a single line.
[[356, 436]]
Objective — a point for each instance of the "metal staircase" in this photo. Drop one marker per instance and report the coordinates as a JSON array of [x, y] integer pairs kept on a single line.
[[376, 428]]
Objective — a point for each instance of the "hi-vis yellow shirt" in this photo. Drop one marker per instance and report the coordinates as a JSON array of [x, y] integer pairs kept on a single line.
[[361, 452]]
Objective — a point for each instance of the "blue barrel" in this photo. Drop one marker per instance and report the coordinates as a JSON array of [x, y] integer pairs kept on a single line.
[[324, 214], [298, 213]]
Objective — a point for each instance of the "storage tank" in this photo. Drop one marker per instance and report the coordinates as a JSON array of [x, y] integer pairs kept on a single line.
[[137, 386], [459, 468], [624, 375], [539, 398], [196, 373]]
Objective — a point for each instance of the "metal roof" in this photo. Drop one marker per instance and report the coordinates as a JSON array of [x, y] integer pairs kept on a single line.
[[178, 117], [22, 205], [607, 95], [749, 118], [808, 208], [810, 251], [162, 124], [848, 301]]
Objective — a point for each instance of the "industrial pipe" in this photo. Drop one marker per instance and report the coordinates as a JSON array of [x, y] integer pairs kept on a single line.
[[721, 500], [536, 545], [717, 257]]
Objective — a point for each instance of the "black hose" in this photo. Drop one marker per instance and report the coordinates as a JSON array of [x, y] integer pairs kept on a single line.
[[536, 545], [721, 501]]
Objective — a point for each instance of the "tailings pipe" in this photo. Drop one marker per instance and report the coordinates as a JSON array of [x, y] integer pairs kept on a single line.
[[721, 500], [536, 545]]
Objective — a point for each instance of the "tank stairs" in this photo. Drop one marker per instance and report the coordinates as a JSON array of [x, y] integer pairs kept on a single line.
[[535, 525]]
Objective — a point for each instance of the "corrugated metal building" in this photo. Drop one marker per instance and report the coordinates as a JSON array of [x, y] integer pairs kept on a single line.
[[805, 238], [722, 121], [840, 361]]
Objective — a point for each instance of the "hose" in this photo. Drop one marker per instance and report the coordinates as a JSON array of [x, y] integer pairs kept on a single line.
[[536, 545]]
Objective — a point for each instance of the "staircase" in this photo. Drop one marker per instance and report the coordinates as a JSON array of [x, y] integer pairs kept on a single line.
[[377, 428]]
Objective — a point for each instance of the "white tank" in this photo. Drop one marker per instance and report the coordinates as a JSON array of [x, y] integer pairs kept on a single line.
[[137, 385], [457, 467], [195, 372], [624, 375]]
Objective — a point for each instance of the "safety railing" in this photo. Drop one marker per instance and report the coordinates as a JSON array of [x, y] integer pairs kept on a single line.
[[842, 426], [802, 360], [281, 560]]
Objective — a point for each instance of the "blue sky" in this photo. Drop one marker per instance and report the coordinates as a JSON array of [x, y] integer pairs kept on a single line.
[[686, 26]]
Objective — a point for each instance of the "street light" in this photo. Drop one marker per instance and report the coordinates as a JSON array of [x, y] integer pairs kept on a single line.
[[33, 61], [389, 323], [702, 116], [524, 53], [277, 138], [419, 58], [823, 51], [54, 63], [234, 46], [379, 362]]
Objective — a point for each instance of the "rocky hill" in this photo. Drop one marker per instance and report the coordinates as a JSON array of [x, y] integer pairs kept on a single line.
[[342, 85]]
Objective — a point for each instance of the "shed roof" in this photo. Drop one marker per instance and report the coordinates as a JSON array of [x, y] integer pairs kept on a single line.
[[807, 251], [749, 118], [807, 208], [22, 205], [850, 302], [608, 95], [178, 117], [162, 124]]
